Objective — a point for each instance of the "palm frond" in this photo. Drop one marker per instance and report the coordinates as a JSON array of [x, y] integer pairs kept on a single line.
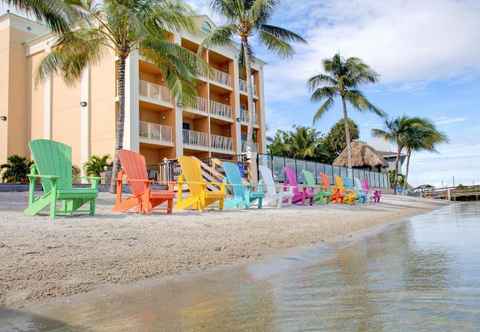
[[361, 103], [53, 12], [73, 52], [324, 92], [262, 10], [283, 34], [222, 35], [275, 44], [317, 80], [323, 109]]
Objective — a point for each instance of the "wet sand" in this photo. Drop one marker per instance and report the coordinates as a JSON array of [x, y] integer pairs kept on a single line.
[[40, 260]]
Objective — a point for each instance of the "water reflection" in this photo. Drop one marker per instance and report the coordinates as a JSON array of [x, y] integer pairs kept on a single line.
[[423, 275]]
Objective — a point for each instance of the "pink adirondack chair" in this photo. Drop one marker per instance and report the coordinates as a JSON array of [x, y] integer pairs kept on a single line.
[[376, 194], [299, 196]]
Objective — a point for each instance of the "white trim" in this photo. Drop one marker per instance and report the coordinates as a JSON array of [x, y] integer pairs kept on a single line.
[[238, 126], [85, 111], [262, 113], [131, 139]]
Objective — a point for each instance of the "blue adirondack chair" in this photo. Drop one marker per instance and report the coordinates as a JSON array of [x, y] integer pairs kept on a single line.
[[360, 195], [242, 195]]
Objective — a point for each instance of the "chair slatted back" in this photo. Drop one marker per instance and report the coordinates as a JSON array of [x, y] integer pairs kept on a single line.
[[325, 181], [191, 171], [234, 178], [309, 178], [53, 158], [291, 179], [135, 168], [268, 180]]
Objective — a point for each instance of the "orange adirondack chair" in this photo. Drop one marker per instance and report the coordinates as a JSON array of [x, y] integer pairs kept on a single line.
[[143, 198]]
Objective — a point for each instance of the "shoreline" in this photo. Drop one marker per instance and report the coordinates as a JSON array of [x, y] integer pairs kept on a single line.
[[42, 261]]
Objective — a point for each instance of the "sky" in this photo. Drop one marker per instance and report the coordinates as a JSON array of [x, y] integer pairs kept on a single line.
[[427, 53]]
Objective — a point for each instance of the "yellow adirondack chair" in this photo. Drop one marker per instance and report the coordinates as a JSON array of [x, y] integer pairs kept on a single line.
[[199, 196], [349, 196]]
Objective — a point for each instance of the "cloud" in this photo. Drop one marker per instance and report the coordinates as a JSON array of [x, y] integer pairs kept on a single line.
[[444, 121], [409, 42]]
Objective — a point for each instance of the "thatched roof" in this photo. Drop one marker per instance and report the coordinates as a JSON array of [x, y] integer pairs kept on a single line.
[[363, 155]]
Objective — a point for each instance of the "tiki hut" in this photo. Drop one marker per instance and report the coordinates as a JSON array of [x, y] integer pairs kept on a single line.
[[363, 157]]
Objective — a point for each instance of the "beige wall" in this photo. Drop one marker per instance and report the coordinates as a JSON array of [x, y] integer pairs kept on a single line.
[[66, 116], [4, 89], [35, 98], [103, 107]]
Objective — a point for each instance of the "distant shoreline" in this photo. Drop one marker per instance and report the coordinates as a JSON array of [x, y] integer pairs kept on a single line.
[[41, 260]]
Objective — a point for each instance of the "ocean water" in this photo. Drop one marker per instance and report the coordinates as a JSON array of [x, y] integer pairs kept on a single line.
[[421, 275]]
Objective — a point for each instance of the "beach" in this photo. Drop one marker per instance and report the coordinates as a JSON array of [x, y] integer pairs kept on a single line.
[[41, 259]]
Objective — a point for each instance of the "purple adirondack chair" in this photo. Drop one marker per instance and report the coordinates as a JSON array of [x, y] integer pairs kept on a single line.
[[299, 196], [376, 194]]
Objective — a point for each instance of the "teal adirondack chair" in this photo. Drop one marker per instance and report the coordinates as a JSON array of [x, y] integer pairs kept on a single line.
[[53, 166], [242, 195]]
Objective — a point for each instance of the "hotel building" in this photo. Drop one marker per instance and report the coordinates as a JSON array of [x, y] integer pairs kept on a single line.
[[83, 115]]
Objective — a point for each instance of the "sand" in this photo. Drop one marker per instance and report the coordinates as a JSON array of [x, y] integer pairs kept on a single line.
[[40, 259]]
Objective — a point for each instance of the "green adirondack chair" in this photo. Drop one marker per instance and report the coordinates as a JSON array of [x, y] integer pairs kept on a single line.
[[323, 195], [53, 166]]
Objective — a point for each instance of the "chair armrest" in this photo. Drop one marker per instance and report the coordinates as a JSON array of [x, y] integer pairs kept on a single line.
[[140, 180], [48, 177]]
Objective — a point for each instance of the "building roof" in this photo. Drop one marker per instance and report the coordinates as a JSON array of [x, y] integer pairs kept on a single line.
[[363, 155]]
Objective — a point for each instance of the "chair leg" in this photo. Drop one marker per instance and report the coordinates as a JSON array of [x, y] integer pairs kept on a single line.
[[221, 204], [53, 204], [170, 206], [260, 203], [92, 207]]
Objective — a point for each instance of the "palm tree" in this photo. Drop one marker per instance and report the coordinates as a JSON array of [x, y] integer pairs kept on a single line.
[[395, 132], [15, 170], [422, 136], [123, 27], [96, 165], [247, 19], [55, 13], [342, 79], [303, 142]]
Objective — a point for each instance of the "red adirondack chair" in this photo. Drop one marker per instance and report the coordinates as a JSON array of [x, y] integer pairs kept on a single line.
[[143, 198]]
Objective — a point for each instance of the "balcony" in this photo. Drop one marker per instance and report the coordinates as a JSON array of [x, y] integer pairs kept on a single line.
[[200, 106], [221, 77], [195, 139], [155, 93], [220, 110], [222, 144], [154, 133], [244, 117], [243, 87], [244, 146]]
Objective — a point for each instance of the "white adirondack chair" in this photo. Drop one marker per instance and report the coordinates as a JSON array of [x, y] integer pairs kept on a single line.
[[272, 196]]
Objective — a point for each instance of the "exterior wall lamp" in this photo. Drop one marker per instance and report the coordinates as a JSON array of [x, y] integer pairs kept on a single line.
[[83, 104], [3, 118]]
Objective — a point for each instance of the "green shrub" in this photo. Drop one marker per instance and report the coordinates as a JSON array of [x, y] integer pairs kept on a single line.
[[16, 169], [96, 165]]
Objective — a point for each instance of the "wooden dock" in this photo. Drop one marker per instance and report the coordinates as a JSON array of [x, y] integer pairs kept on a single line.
[[460, 193]]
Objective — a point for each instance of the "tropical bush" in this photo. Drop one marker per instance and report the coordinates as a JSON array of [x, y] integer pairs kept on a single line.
[[310, 144], [15, 170], [96, 165]]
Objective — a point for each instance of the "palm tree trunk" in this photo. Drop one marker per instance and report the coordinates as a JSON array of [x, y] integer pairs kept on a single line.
[[251, 148], [409, 154], [347, 137], [397, 163], [120, 125]]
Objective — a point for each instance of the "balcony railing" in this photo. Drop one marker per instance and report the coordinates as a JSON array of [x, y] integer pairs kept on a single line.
[[155, 92], [221, 77], [156, 133], [221, 110], [222, 143], [243, 87], [244, 146], [200, 106], [195, 138], [244, 116]]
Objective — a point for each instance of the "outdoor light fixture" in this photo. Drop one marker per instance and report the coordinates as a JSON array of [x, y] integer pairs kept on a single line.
[[3, 118], [83, 104], [237, 119]]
